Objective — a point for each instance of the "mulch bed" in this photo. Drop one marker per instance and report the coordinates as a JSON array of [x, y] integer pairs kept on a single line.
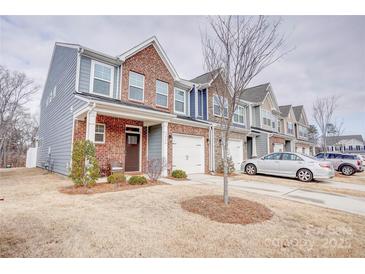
[[238, 211], [178, 179], [104, 187]]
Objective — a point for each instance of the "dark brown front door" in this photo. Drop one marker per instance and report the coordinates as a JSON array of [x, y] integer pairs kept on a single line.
[[132, 152]]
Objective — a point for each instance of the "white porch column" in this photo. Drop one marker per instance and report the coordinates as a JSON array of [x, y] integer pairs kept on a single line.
[[90, 126], [164, 147], [254, 151]]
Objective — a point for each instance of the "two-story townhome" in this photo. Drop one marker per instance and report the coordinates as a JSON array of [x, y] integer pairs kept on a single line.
[[208, 92], [267, 129], [288, 126], [134, 107], [301, 126]]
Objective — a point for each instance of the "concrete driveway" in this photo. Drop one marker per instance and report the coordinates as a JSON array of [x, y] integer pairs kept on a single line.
[[325, 199]]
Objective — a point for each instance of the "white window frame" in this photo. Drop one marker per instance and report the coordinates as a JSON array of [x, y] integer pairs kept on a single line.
[[104, 133], [129, 85], [92, 77], [185, 103], [243, 115], [167, 95], [201, 104], [292, 128], [221, 110]]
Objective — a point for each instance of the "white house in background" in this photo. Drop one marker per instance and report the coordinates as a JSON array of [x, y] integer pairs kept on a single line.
[[346, 143]]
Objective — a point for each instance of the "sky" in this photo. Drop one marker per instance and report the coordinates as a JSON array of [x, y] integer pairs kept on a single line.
[[327, 55]]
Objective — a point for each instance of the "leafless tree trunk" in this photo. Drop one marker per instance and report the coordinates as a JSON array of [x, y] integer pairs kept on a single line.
[[240, 48], [323, 110], [15, 91]]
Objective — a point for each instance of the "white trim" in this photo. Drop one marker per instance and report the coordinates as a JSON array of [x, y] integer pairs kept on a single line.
[[104, 134], [140, 144], [78, 61], [196, 103], [164, 147], [156, 44], [207, 102], [92, 77], [129, 85], [179, 112], [167, 95]]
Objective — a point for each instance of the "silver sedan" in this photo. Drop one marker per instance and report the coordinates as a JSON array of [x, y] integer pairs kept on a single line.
[[290, 164]]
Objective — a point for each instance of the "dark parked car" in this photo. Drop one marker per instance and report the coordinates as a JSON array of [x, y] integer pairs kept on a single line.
[[347, 164]]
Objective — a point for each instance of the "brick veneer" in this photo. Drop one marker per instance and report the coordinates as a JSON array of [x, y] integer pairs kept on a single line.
[[148, 63], [275, 140], [218, 146], [188, 130], [114, 146]]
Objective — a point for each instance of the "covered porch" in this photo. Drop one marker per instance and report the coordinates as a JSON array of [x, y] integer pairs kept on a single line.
[[128, 135]]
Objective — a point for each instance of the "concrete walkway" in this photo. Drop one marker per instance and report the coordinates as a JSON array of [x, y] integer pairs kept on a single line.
[[330, 200]]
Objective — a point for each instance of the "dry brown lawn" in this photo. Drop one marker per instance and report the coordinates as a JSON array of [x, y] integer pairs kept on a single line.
[[314, 185], [36, 220]]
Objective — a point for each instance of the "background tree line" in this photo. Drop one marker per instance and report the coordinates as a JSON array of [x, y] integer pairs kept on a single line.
[[18, 128]]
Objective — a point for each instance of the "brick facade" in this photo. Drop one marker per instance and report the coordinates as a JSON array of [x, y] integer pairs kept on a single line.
[[188, 130], [114, 146], [218, 146], [149, 63], [275, 140]]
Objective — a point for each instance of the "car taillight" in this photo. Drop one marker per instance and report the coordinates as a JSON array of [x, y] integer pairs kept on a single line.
[[325, 165], [358, 162]]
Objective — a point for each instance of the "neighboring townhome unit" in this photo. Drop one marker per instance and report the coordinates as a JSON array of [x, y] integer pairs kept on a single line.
[[302, 143], [287, 124], [346, 143], [134, 107], [209, 106], [267, 126]]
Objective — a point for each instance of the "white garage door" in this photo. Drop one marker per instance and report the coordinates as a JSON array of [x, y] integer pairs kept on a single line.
[[188, 153], [235, 150], [278, 147]]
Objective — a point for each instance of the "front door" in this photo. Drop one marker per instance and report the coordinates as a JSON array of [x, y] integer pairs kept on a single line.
[[132, 152]]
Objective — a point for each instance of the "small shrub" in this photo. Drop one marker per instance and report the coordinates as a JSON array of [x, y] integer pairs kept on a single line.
[[179, 174], [85, 168], [154, 168], [116, 178], [137, 180], [220, 167]]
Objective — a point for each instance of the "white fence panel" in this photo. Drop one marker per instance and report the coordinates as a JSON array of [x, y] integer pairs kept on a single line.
[[31, 157]]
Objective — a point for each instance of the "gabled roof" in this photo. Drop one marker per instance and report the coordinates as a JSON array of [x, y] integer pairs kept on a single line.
[[151, 41], [298, 112], [332, 140], [256, 94], [206, 78], [285, 110]]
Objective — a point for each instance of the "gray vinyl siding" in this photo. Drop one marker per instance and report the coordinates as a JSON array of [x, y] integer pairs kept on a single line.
[[84, 78], [261, 145], [155, 142], [56, 119], [256, 117]]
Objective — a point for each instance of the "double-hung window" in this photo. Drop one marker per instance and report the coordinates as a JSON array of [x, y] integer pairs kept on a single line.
[[136, 86], [180, 101], [162, 90], [239, 115], [100, 133], [102, 77], [290, 128], [217, 105]]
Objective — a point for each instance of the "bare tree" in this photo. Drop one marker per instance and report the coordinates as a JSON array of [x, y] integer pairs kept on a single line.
[[15, 91], [239, 48], [323, 111]]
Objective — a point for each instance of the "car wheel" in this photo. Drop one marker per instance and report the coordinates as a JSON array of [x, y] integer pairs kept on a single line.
[[347, 170], [250, 169], [305, 175]]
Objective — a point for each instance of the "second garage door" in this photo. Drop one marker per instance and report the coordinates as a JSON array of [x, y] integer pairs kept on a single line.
[[235, 150], [188, 153]]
